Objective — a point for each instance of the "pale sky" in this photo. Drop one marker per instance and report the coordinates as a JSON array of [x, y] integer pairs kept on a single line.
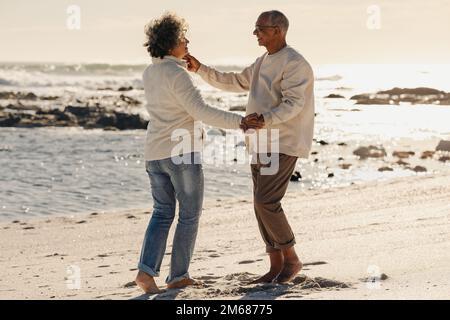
[[324, 31]]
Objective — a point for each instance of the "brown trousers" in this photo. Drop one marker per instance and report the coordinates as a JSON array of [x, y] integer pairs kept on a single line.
[[268, 191]]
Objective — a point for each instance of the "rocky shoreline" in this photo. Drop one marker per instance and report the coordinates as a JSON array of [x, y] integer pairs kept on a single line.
[[396, 96], [119, 112]]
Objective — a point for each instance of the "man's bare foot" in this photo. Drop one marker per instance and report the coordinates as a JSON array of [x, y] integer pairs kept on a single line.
[[147, 283], [276, 265], [290, 270], [183, 283]]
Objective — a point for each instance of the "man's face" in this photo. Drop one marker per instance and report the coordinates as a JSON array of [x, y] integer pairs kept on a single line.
[[264, 31]]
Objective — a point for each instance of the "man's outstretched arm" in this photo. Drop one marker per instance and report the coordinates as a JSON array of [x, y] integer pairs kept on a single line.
[[227, 81]]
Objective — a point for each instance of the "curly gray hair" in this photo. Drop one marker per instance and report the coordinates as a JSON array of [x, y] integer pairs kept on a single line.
[[164, 34]]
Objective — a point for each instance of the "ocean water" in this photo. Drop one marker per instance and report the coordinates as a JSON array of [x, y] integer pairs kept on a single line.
[[61, 171]]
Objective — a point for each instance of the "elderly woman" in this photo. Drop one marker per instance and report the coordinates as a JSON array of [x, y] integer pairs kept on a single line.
[[174, 105]]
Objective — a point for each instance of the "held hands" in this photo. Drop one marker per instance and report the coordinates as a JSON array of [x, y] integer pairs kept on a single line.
[[252, 121], [192, 63]]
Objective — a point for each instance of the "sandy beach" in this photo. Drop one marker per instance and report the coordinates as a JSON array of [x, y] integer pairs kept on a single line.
[[394, 232]]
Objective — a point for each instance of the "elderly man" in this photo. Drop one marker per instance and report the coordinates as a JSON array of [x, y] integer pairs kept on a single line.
[[281, 85]]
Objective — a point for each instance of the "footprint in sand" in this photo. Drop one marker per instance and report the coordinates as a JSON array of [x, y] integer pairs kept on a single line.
[[208, 279], [315, 263], [318, 282], [246, 261], [131, 284]]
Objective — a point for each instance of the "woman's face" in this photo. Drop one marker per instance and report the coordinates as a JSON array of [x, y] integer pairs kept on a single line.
[[181, 50]]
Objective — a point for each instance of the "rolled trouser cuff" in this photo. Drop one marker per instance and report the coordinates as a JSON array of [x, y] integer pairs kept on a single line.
[[148, 270], [177, 279], [278, 247]]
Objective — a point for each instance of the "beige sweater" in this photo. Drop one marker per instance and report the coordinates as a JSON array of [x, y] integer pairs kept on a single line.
[[281, 88], [174, 105]]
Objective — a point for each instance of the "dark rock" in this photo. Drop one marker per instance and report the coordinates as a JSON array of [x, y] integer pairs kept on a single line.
[[81, 111], [107, 120], [383, 169], [363, 96], [421, 91], [419, 169], [380, 277], [9, 121], [330, 175], [402, 163], [370, 152], [403, 154], [129, 100], [394, 96], [342, 144], [296, 176], [49, 98], [427, 154], [129, 121], [345, 166], [28, 96], [125, 88], [444, 158], [6, 95], [334, 96], [444, 145]]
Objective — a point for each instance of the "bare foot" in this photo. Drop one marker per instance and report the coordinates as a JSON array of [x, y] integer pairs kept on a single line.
[[267, 278], [276, 265], [184, 283], [147, 283], [289, 271]]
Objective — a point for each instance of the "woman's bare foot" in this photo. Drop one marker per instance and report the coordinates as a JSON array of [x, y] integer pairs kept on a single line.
[[289, 271], [147, 283], [183, 283], [276, 265]]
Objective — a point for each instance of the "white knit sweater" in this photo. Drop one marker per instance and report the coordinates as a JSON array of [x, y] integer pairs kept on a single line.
[[281, 88], [174, 105]]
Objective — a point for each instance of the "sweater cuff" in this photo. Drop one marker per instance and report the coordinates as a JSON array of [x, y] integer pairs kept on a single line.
[[267, 118], [202, 70]]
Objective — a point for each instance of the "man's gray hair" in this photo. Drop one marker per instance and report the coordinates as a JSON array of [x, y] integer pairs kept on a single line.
[[277, 18]]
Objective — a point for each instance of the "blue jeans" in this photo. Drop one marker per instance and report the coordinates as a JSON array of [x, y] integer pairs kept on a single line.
[[170, 182]]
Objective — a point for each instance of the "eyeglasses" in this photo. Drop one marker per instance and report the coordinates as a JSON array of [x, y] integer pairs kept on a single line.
[[261, 28]]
